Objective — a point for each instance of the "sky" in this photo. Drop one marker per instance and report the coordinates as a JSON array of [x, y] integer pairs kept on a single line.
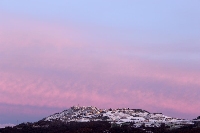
[[108, 54]]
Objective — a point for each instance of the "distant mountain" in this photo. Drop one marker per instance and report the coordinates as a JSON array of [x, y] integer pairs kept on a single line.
[[6, 125], [118, 116]]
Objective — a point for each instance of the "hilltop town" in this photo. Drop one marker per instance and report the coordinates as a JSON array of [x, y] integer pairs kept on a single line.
[[118, 116]]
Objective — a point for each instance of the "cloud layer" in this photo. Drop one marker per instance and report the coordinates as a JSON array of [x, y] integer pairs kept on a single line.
[[57, 66]]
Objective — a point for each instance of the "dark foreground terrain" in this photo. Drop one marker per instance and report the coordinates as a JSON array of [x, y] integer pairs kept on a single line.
[[91, 127]]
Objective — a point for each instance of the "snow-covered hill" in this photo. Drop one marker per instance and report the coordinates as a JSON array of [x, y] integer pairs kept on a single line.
[[119, 116]]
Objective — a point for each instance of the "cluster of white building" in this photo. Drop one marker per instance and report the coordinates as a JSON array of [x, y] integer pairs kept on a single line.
[[119, 116]]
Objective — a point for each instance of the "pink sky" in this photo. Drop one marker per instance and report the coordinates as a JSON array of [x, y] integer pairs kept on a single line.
[[56, 65]]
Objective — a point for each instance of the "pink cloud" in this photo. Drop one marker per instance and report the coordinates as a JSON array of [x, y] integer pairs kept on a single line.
[[45, 64], [31, 90]]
